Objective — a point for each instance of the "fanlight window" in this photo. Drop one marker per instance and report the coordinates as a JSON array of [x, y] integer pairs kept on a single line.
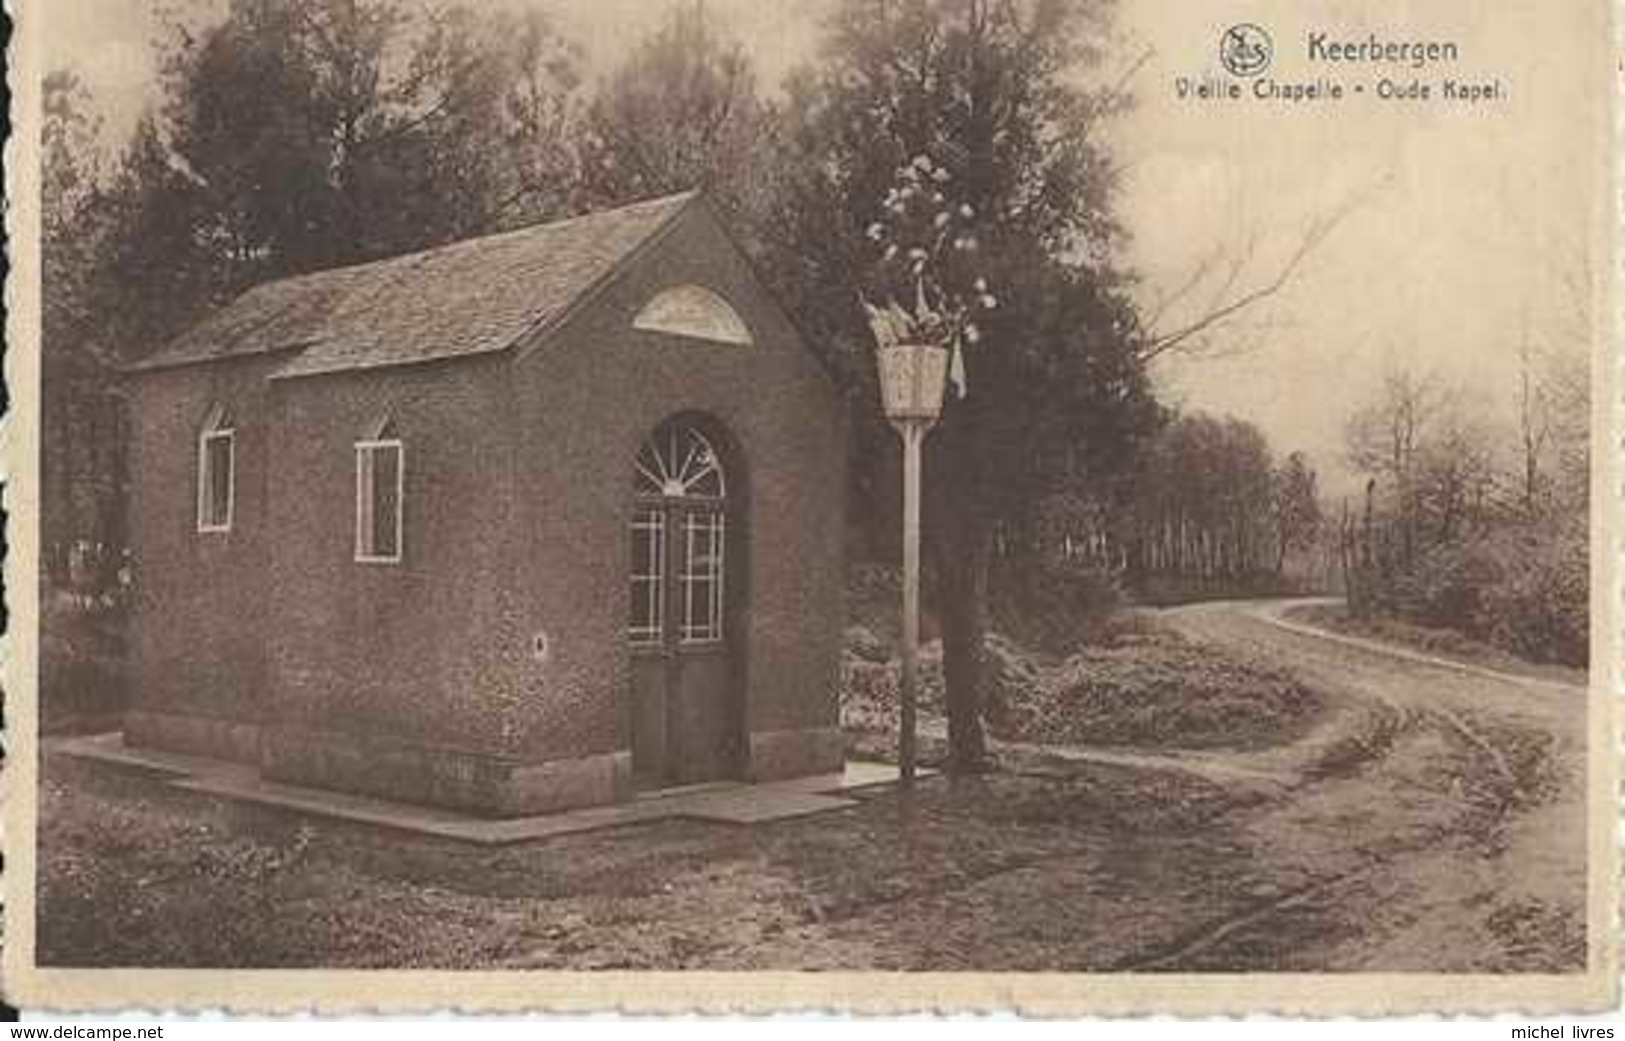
[[679, 532], [679, 461], [694, 311]]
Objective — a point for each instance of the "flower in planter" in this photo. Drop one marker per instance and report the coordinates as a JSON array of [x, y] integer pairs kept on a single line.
[[927, 246]]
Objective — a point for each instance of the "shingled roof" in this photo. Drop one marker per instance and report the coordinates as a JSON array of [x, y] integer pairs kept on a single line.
[[471, 297]]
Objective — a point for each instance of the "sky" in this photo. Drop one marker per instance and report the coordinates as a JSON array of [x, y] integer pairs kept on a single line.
[[1462, 230]]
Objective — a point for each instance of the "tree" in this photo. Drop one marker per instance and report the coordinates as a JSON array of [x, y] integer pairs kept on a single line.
[[1385, 440], [1056, 390], [318, 133], [1456, 476], [495, 124], [1534, 425], [1294, 507], [1565, 381], [1210, 505], [681, 112], [244, 114], [1554, 416], [75, 374]]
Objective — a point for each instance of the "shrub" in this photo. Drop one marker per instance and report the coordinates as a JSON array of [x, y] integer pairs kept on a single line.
[[1540, 610], [82, 679], [862, 642], [1154, 689], [1524, 588], [1446, 586], [1056, 609]]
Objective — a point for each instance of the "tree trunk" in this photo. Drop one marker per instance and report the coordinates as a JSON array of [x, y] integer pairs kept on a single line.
[[111, 521], [962, 571], [57, 463], [1023, 556]]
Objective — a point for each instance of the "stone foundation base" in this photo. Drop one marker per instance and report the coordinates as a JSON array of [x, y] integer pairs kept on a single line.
[[489, 786], [779, 754], [485, 785], [193, 735]]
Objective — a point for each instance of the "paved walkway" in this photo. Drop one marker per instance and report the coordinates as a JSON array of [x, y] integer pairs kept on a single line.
[[733, 802]]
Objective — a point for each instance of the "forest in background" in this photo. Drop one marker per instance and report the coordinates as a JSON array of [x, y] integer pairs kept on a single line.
[[297, 135]]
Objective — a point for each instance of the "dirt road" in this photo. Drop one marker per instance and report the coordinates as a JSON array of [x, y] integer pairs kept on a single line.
[[1436, 821]]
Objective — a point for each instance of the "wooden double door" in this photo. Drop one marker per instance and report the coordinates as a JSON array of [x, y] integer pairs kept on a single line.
[[686, 718]]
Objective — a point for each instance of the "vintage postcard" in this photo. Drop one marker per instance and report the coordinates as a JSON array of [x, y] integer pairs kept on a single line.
[[1065, 506]]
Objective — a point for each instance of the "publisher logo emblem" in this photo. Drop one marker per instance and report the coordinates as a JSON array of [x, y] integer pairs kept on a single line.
[[1245, 49]]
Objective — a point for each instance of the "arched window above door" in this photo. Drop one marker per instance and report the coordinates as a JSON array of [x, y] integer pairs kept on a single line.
[[678, 460], [694, 311], [679, 538]]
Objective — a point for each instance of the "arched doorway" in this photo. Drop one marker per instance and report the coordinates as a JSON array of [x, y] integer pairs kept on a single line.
[[685, 716]]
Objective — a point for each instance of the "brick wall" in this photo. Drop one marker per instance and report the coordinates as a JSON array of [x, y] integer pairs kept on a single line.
[[199, 621], [587, 397], [380, 666]]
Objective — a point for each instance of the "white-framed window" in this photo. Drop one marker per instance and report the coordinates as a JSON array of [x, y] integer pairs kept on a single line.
[[648, 576], [679, 461], [679, 533], [702, 576], [216, 472], [380, 487]]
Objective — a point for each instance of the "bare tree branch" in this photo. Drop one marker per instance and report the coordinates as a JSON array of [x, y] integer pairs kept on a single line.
[[1227, 303], [1119, 88]]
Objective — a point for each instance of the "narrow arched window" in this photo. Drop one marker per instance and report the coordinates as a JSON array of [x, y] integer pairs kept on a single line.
[[216, 471], [380, 488]]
